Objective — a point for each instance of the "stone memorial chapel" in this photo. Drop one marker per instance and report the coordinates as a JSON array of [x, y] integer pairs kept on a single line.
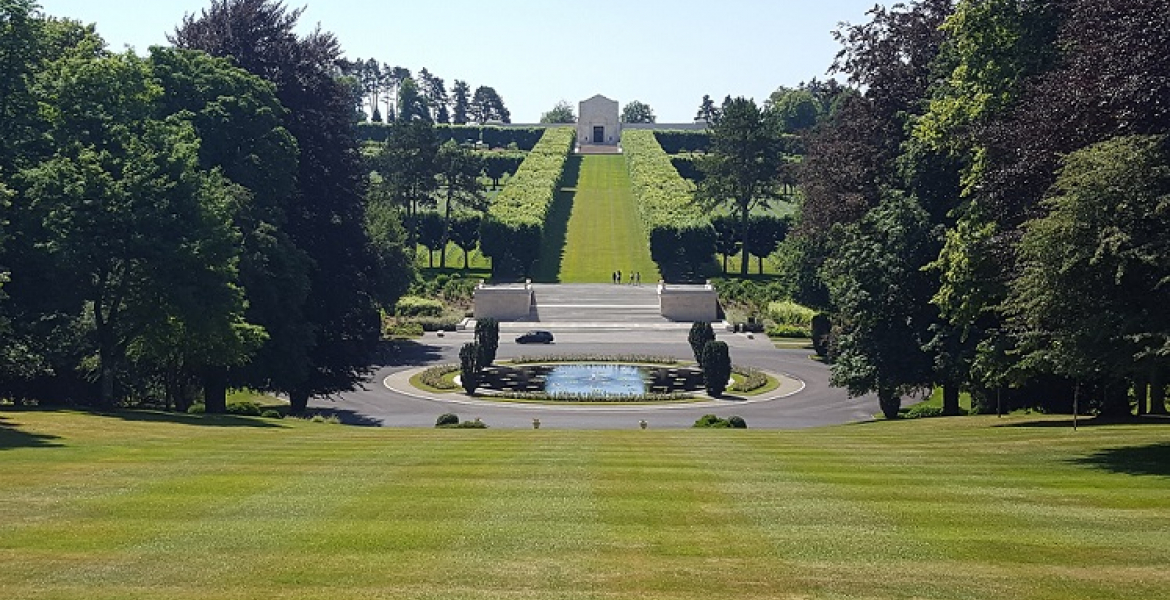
[[598, 123]]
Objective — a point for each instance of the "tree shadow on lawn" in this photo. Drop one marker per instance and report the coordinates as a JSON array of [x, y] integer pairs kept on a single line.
[[556, 227], [152, 416], [1066, 421], [12, 438], [1151, 459]]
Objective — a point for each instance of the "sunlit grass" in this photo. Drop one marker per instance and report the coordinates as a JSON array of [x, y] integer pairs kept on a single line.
[[604, 231], [125, 506]]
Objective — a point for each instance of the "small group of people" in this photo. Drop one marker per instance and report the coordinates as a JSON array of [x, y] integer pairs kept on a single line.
[[635, 277]]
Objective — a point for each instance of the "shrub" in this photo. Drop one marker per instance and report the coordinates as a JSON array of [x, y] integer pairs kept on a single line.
[[714, 422], [469, 367], [414, 306], [710, 421], [923, 410], [789, 331], [436, 377], [244, 407], [752, 379], [446, 422], [716, 364], [787, 312], [197, 409], [487, 335], [271, 414], [700, 334], [394, 328]]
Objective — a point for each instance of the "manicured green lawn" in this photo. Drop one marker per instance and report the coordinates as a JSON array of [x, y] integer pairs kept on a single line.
[[135, 506], [604, 233]]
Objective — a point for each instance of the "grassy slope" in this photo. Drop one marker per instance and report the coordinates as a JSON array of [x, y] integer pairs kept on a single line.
[[604, 232], [114, 507]]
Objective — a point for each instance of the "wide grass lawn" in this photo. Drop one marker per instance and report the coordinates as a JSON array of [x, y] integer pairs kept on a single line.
[[156, 506], [602, 230]]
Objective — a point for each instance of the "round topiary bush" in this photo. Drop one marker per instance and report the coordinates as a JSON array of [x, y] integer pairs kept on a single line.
[[272, 413], [197, 409], [447, 419], [245, 408], [736, 422]]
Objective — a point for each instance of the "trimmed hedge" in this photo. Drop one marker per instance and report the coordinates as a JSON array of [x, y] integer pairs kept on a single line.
[[511, 234], [678, 141], [680, 233], [494, 137]]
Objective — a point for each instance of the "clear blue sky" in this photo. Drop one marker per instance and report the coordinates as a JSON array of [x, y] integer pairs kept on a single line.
[[664, 53]]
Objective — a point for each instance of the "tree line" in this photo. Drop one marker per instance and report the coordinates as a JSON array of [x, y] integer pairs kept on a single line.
[[986, 209], [187, 221], [378, 89]]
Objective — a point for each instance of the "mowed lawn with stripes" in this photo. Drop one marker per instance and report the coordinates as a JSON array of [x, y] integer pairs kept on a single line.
[[139, 505], [603, 232]]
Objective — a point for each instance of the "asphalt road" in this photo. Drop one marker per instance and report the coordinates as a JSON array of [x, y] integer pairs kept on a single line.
[[815, 405]]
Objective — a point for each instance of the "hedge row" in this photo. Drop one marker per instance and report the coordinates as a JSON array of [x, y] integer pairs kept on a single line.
[[511, 234], [679, 141], [681, 236], [525, 138]]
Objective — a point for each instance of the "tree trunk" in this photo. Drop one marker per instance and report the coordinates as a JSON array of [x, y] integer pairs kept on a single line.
[[760, 264], [215, 390], [107, 382], [465, 259], [446, 228], [743, 228], [1141, 387], [950, 399], [298, 401], [890, 402], [1157, 390]]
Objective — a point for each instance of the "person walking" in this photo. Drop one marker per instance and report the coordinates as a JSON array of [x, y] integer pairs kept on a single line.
[[637, 278], [619, 277]]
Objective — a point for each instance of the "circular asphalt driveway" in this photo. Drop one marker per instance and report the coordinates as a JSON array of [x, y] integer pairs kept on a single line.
[[816, 404]]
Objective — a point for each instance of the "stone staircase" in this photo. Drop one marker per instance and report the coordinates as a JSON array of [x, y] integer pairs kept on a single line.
[[593, 306]]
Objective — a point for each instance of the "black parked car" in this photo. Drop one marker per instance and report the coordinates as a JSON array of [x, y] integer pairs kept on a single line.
[[536, 336]]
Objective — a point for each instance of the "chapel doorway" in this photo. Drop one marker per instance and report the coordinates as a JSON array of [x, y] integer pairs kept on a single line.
[[598, 134]]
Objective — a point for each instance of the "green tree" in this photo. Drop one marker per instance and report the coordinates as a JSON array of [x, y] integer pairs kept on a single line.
[[412, 105], [744, 166], [460, 102], [326, 214], [465, 233], [796, 109], [561, 113], [486, 105], [432, 233], [238, 120], [407, 167], [458, 170], [637, 112], [882, 321], [142, 234], [708, 112], [1091, 298], [728, 240], [764, 234], [716, 364]]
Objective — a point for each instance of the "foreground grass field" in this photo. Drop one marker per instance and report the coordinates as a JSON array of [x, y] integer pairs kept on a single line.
[[603, 233], [142, 506]]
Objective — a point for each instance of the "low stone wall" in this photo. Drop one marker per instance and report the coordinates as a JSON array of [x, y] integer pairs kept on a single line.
[[503, 303], [695, 303]]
